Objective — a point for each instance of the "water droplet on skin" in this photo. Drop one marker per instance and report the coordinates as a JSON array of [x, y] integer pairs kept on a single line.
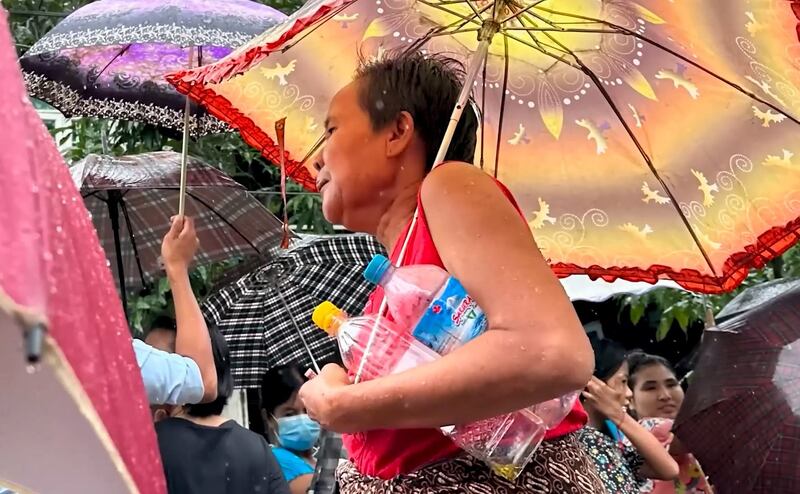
[[47, 256], [34, 189], [59, 229], [523, 348]]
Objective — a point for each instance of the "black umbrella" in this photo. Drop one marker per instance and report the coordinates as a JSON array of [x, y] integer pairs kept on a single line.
[[741, 416], [757, 295], [266, 315], [131, 200]]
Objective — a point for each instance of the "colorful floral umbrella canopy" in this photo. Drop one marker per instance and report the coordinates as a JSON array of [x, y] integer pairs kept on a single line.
[[108, 59], [80, 423], [643, 139]]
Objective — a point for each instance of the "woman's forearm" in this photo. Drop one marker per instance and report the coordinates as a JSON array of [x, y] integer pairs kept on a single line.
[[497, 373], [192, 339], [659, 464]]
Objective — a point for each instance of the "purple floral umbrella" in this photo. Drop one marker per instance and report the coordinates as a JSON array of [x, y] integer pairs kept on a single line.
[[108, 59]]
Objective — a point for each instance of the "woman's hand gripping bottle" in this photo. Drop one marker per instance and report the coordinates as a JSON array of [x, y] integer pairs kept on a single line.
[[436, 309], [392, 351]]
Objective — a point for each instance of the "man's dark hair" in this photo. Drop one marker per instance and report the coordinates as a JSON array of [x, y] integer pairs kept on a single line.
[[638, 360], [427, 87], [164, 323], [222, 362]]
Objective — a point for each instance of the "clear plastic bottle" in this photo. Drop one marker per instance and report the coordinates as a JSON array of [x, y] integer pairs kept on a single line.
[[392, 351], [436, 309], [429, 302]]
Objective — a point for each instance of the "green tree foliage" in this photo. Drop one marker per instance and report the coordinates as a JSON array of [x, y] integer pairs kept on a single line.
[[685, 308]]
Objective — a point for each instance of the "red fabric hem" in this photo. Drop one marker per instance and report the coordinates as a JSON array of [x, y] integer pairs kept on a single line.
[[769, 245]]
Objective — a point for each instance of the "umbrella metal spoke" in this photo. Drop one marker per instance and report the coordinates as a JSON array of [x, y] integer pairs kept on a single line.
[[518, 13], [470, 18], [297, 327], [502, 106], [711, 73], [456, 31], [226, 222], [539, 49], [562, 30], [628, 130], [483, 111], [132, 237], [107, 65], [314, 148], [624, 30], [434, 31]]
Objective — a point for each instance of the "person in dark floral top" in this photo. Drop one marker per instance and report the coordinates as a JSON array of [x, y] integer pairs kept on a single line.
[[621, 467]]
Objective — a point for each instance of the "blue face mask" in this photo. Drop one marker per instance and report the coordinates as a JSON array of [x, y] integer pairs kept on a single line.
[[298, 432]]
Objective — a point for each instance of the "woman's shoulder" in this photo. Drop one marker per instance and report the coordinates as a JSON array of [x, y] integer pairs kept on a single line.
[[291, 464], [284, 455], [453, 172]]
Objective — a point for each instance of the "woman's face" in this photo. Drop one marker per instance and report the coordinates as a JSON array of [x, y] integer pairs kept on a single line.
[[657, 392], [619, 382], [355, 165]]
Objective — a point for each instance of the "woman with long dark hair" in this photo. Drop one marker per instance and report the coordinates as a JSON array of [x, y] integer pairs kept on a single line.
[[656, 400], [606, 399]]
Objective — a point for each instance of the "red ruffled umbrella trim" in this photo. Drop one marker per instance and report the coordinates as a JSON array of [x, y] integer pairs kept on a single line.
[[194, 83]]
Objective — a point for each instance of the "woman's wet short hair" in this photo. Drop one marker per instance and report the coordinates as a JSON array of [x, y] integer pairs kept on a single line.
[[427, 87]]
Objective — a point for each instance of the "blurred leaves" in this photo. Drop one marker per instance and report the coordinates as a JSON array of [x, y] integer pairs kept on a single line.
[[686, 308]]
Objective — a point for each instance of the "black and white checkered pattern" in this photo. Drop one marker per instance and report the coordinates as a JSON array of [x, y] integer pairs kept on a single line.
[[260, 332], [230, 222]]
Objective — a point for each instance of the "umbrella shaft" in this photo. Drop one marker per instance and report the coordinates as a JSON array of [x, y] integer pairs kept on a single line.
[[184, 157], [185, 148], [475, 64]]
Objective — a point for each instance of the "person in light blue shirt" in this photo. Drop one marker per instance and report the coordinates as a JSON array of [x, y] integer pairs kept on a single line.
[[187, 376], [289, 428], [169, 378]]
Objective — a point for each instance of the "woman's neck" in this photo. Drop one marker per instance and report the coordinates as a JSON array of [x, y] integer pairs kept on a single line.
[[210, 421], [596, 419], [396, 217]]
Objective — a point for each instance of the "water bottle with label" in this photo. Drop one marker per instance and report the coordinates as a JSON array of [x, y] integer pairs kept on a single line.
[[437, 310], [428, 301]]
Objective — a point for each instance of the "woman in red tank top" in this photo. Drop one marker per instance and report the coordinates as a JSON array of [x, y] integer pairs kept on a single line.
[[383, 132]]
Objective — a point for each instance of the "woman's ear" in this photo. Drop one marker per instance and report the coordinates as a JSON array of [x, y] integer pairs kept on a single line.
[[401, 135]]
